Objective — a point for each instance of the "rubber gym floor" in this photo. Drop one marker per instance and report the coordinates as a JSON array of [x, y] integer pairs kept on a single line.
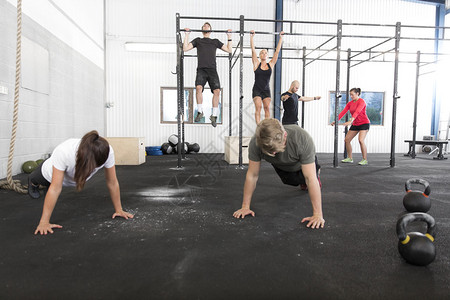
[[184, 243]]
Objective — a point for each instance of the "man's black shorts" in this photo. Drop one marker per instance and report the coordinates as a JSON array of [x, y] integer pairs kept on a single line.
[[294, 178], [207, 75]]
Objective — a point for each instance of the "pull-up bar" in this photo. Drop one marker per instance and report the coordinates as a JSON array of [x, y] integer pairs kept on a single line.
[[291, 33], [217, 31], [424, 39], [208, 18]]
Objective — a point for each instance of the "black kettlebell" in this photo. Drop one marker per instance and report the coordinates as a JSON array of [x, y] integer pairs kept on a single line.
[[415, 247], [417, 201]]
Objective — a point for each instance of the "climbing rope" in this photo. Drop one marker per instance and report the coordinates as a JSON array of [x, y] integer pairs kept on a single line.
[[11, 184]]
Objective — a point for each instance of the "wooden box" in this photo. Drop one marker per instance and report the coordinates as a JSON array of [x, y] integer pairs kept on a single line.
[[128, 150], [232, 149]]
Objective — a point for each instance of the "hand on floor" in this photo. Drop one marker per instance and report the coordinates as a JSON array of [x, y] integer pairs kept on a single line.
[[314, 222], [44, 228], [122, 214], [243, 212]]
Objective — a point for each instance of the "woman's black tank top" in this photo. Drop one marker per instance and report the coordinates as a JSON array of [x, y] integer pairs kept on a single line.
[[262, 78]]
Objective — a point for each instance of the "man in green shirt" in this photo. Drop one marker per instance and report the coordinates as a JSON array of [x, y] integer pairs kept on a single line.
[[291, 151]]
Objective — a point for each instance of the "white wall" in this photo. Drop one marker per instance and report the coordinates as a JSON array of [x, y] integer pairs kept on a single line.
[[67, 100], [79, 23], [134, 79]]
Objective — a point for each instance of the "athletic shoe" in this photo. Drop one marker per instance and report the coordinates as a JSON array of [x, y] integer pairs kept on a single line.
[[198, 117], [363, 162], [33, 190], [213, 120], [347, 160]]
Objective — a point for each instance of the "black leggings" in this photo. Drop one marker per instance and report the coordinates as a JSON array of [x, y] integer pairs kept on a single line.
[[294, 178], [37, 178]]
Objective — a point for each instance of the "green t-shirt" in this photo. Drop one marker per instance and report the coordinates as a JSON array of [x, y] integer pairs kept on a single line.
[[300, 150]]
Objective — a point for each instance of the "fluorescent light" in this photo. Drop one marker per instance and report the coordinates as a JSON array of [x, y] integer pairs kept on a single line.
[[148, 47]]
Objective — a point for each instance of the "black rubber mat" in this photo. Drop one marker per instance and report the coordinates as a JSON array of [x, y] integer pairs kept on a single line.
[[184, 243]]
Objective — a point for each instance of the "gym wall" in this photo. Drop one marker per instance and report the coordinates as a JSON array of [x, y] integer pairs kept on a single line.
[[73, 103]]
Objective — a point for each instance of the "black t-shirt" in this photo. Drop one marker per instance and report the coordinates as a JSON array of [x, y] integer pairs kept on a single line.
[[206, 51], [290, 106]]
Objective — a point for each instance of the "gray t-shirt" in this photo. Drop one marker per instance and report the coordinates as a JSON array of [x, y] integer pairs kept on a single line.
[[300, 150]]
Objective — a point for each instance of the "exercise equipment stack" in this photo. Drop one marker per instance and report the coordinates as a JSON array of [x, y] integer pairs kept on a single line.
[[172, 145], [415, 247]]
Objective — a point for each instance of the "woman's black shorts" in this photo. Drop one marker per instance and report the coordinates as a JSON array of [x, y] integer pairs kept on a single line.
[[256, 92], [360, 127]]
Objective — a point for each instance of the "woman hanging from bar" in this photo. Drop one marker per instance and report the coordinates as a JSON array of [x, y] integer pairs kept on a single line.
[[360, 124], [72, 163], [263, 71]]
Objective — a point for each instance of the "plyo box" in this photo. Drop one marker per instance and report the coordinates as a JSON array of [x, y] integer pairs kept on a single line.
[[232, 149], [128, 150]]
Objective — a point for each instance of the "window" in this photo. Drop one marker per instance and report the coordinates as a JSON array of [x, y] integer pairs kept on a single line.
[[169, 106], [374, 109]]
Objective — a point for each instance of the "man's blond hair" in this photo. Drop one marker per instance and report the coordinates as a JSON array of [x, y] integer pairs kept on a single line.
[[270, 136]]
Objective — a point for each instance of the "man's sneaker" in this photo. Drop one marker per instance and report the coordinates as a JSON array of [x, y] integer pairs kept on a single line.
[[363, 162], [213, 120], [198, 117], [347, 160], [33, 190]]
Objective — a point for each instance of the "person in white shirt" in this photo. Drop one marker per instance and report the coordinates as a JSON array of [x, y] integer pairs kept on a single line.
[[72, 163]]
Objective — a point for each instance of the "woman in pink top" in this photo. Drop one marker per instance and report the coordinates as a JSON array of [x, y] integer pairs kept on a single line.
[[360, 124]]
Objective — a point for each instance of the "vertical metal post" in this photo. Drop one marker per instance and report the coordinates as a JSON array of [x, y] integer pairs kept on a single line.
[[337, 92], [230, 122], [183, 153], [105, 87], [413, 145], [436, 97], [278, 66], [241, 84], [303, 85], [347, 93], [180, 88], [395, 95]]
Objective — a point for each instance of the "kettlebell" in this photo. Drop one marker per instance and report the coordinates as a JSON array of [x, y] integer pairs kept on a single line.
[[415, 247], [417, 201]]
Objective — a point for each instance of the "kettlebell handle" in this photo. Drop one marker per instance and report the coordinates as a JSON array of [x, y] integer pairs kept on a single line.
[[411, 217], [423, 182]]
